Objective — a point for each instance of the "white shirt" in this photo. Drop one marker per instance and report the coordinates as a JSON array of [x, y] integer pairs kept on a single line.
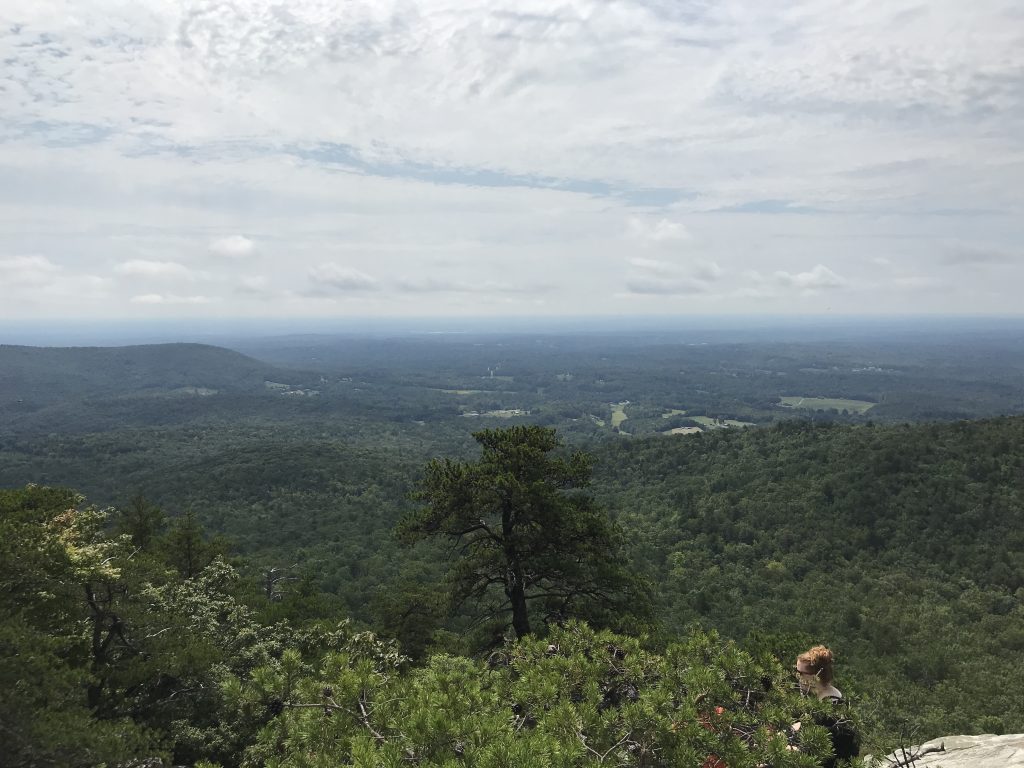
[[830, 692]]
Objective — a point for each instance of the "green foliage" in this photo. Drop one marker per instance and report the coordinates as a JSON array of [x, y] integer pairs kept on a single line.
[[186, 547], [577, 698], [50, 548], [107, 652], [411, 609], [142, 521], [522, 531], [898, 546]]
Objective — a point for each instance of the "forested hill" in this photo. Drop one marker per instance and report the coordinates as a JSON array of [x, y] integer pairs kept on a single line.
[[931, 496], [91, 390], [904, 545], [53, 374]]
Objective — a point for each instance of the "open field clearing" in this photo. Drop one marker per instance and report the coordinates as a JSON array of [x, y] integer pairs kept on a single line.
[[198, 391], [672, 412], [711, 423], [683, 431], [504, 413], [825, 403], [618, 414]]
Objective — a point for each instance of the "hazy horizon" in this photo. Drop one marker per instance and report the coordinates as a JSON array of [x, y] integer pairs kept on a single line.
[[708, 328]]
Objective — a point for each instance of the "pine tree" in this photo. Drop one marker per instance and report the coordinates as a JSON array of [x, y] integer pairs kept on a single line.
[[186, 546], [522, 530], [142, 521]]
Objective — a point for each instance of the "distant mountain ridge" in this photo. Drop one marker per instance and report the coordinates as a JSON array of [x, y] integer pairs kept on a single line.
[[42, 375]]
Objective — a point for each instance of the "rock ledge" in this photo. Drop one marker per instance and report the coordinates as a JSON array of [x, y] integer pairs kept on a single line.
[[984, 751]]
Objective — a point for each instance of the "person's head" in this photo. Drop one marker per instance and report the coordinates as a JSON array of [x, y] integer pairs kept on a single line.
[[814, 668]]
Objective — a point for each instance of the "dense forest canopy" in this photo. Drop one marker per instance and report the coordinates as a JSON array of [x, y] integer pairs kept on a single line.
[[110, 652], [859, 509]]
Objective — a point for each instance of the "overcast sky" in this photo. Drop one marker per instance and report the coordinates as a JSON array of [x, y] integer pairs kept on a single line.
[[421, 157]]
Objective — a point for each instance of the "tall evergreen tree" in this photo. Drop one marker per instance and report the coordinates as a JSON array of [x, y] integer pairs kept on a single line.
[[187, 548], [522, 530], [141, 520]]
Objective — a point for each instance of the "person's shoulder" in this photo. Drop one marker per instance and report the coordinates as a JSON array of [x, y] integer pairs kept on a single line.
[[833, 695]]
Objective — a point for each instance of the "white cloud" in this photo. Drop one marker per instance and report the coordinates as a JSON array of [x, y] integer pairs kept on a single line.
[[37, 281], [334, 277], [76, 289], [817, 279], [233, 247], [155, 269], [255, 284], [648, 284], [161, 298], [655, 266], [757, 292], [707, 270], [655, 276], [920, 282], [27, 270], [978, 256], [657, 230], [485, 286], [431, 285]]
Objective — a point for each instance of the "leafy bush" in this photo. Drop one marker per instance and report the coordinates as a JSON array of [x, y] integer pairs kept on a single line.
[[576, 698]]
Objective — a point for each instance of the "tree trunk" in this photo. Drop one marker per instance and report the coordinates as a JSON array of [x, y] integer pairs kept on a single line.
[[515, 587], [517, 596], [94, 690]]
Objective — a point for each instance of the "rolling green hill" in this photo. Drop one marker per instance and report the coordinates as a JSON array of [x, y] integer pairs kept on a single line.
[[76, 390], [41, 375]]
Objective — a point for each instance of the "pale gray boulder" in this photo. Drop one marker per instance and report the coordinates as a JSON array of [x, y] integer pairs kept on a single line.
[[984, 751]]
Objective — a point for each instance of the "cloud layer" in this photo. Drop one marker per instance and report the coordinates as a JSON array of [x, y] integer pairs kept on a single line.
[[468, 157]]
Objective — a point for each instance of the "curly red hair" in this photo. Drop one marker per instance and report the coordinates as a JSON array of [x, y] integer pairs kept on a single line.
[[818, 660]]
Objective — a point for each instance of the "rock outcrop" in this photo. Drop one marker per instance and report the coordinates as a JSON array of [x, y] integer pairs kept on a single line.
[[985, 751]]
